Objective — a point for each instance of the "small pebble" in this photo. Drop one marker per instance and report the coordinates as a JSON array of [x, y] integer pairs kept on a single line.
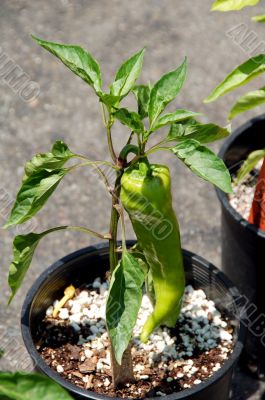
[[89, 353], [216, 367], [96, 283], [144, 377], [243, 193], [64, 313], [49, 311], [107, 382], [100, 366], [60, 369]]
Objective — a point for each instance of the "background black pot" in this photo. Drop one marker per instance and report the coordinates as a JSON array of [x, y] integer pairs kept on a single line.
[[84, 266], [243, 246]]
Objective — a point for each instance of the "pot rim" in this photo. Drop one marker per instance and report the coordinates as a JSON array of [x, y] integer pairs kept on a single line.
[[222, 196], [101, 248]]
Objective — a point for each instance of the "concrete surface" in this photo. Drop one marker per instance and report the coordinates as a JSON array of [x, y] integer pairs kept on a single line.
[[66, 108]]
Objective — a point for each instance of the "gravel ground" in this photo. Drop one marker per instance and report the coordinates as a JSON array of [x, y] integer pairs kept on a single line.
[[66, 109]]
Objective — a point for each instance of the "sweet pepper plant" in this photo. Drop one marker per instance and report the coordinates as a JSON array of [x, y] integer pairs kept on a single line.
[[240, 76], [21, 385], [235, 5], [141, 188]]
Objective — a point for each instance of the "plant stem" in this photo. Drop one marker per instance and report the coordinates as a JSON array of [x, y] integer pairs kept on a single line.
[[123, 373], [110, 144], [121, 213], [108, 124], [155, 149], [114, 218], [89, 231], [130, 138], [257, 214]]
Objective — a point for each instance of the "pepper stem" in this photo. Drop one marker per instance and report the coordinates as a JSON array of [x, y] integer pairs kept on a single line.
[[144, 167], [127, 149]]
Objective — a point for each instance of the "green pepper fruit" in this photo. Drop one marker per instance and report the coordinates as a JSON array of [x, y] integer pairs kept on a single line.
[[146, 196]]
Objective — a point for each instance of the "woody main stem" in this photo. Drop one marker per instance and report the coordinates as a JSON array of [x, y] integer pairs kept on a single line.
[[123, 373]]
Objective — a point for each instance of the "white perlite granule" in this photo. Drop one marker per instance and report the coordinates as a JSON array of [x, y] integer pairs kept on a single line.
[[200, 325], [243, 192]]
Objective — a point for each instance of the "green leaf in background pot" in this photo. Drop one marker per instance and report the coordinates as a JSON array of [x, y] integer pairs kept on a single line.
[[259, 18], [78, 60], [250, 163], [166, 90], [130, 119], [23, 386], [176, 116], [142, 94], [204, 163], [24, 247], [240, 76], [43, 173], [127, 75], [124, 301], [203, 133], [247, 102], [232, 5]]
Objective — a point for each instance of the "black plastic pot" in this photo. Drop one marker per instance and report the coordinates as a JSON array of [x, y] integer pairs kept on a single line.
[[84, 266], [243, 245]]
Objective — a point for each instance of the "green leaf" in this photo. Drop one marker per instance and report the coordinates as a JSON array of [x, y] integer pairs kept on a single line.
[[232, 5], [130, 119], [55, 159], [176, 116], [33, 194], [247, 102], [142, 94], [203, 133], [166, 90], [240, 76], [108, 99], [23, 386], [43, 173], [259, 18], [124, 301], [79, 61], [127, 75], [204, 163], [250, 163], [179, 129], [24, 247]]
